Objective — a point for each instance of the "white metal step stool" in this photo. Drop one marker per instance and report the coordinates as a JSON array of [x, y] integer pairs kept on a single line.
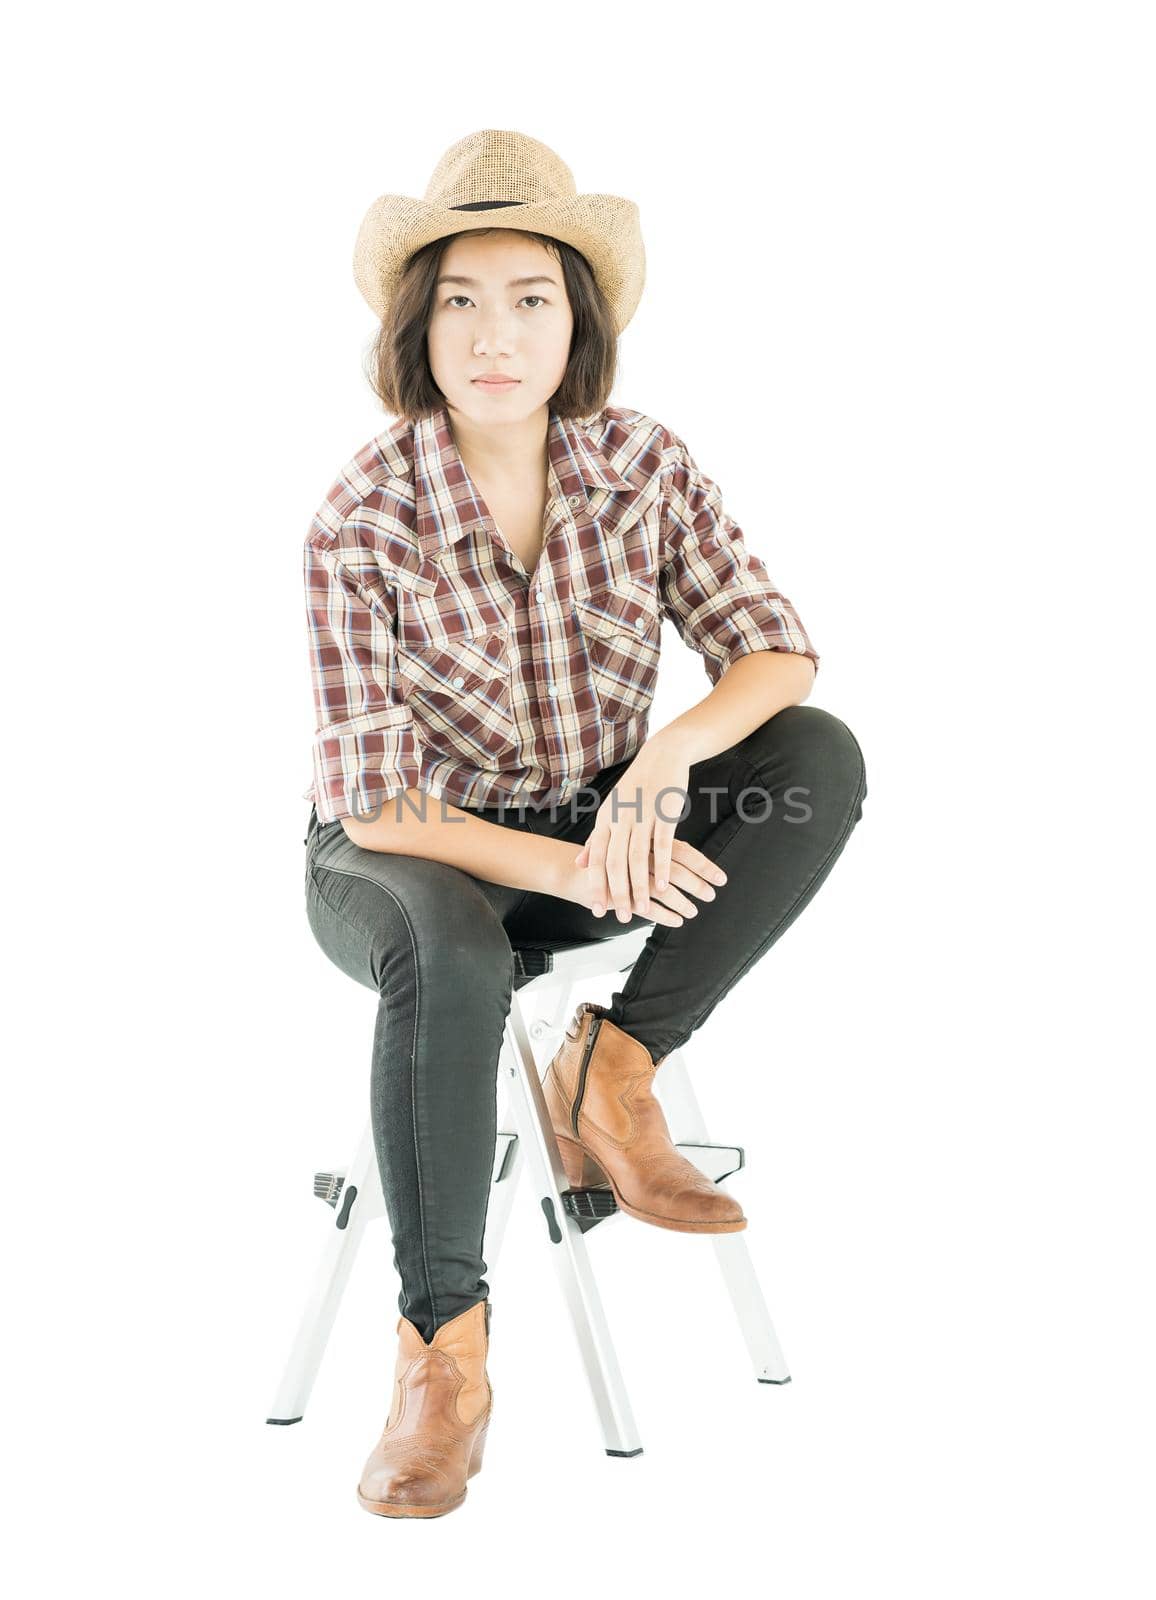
[[546, 976]]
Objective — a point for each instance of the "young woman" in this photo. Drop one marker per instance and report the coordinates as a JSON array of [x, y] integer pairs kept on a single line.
[[486, 582]]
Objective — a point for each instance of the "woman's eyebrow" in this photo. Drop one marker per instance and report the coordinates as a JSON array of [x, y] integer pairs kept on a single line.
[[514, 283]]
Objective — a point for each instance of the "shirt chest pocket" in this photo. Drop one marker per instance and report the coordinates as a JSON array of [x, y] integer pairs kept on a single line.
[[459, 688], [621, 631]]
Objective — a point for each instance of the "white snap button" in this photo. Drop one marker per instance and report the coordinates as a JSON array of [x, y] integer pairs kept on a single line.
[[575, 500], [540, 594], [553, 689], [458, 682], [640, 622]]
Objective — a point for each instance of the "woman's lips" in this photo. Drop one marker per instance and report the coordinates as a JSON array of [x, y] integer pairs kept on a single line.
[[496, 383]]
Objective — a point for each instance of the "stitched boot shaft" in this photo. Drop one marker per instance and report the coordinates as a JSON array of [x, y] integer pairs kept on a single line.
[[436, 1431], [610, 1130]]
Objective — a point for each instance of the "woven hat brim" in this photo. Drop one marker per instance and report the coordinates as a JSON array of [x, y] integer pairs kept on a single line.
[[604, 227]]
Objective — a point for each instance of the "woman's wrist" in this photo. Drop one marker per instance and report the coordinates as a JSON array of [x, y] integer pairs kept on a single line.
[[554, 865]]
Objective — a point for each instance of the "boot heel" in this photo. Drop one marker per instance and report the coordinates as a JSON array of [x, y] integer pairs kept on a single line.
[[477, 1452], [581, 1169]]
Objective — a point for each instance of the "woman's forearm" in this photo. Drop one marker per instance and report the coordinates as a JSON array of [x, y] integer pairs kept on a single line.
[[753, 689], [415, 823]]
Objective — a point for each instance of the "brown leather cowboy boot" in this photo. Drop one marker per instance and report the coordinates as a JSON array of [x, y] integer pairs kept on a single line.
[[610, 1129], [436, 1432]]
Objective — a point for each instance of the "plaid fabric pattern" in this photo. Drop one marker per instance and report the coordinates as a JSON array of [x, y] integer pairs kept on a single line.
[[439, 662]]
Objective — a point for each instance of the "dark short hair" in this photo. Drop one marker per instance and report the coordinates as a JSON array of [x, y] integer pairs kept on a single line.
[[398, 369]]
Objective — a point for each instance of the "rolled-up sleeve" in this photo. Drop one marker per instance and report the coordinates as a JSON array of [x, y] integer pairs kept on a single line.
[[718, 593], [365, 748]]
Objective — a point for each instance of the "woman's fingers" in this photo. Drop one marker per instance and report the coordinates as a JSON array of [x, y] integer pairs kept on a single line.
[[638, 862], [660, 913], [685, 878], [618, 875], [675, 899], [595, 848], [617, 856], [702, 866], [663, 845]]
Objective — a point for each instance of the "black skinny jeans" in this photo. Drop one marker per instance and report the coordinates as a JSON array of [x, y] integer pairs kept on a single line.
[[433, 941]]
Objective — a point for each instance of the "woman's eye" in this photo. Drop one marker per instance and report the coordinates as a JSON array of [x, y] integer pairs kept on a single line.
[[454, 297]]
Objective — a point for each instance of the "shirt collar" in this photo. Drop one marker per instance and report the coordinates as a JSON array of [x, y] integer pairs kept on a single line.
[[448, 507]]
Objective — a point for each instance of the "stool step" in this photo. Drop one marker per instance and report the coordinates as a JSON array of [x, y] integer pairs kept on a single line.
[[590, 1204], [718, 1161], [327, 1186]]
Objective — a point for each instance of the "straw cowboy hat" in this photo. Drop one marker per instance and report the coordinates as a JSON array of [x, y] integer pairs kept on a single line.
[[502, 179]]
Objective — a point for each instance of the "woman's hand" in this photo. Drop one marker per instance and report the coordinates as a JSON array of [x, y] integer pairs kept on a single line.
[[633, 860]]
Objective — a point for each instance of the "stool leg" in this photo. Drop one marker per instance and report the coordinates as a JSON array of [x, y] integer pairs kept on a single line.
[[503, 1186], [508, 1162], [550, 1002], [566, 1239], [672, 1087], [358, 1203]]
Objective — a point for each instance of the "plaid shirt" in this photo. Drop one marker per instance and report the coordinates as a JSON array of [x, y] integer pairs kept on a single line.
[[438, 662]]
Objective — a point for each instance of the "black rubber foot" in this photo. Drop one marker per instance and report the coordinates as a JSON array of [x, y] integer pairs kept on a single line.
[[591, 1204]]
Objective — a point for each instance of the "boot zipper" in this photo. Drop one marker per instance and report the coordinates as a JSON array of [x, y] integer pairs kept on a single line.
[[591, 1036]]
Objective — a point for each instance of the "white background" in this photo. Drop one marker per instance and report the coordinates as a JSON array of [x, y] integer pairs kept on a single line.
[[899, 304]]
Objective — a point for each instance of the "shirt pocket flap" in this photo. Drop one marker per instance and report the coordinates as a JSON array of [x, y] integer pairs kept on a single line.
[[458, 666], [619, 612], [421, 579]]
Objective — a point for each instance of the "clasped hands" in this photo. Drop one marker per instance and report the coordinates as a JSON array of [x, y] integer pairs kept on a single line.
[[632, 859]]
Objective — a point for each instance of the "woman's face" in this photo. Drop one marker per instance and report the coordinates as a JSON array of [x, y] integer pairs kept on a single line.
[[500, 305]]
